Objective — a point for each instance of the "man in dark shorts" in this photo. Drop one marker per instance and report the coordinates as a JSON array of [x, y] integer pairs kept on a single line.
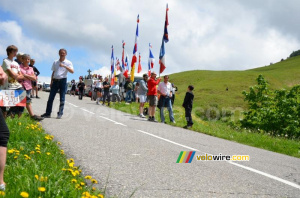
[[152, 95], [34, 83]]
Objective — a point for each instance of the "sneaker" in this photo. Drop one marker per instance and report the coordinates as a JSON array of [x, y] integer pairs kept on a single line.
[[45, 115], [142, 116], [188, 126], [173, 122], [37, 118], [163, 122], [31, 96], [2, 187], [58, 116], [150, 118], [37, 97], [154, 120]]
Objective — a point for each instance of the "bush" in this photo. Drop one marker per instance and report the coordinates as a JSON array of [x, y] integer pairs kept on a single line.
[[275, 112]]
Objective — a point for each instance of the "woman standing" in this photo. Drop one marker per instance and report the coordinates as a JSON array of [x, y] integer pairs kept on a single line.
[[99, 87]]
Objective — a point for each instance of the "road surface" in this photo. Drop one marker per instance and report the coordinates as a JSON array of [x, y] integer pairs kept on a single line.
[[128, 154]]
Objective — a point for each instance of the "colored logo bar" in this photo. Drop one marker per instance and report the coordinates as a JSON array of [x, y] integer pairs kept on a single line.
[[189, 159]]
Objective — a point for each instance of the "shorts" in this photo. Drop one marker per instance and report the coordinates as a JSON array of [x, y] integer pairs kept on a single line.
[[33, 83], [142, 98], [73, 88], [97, 89], [4, 132], [152, 100], [28, 98]]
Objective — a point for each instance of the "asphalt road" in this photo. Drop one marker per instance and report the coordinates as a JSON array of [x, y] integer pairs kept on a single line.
[[128, 154]]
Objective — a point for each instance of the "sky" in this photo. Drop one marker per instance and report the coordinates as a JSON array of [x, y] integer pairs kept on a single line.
[[203, 34]]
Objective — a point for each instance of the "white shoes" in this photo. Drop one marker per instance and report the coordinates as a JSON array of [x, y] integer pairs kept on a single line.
[[2, 187]]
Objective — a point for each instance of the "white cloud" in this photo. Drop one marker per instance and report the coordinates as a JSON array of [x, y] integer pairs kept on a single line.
[[42, 79], [103, 71]]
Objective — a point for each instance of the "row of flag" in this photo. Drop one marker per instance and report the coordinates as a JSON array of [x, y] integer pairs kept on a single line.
[[124, 67]]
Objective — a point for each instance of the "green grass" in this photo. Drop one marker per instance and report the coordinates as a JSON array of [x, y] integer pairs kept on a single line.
[[34, 160]]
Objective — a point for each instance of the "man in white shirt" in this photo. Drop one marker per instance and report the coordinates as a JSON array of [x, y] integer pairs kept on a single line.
[[60, 69], [165, 91]]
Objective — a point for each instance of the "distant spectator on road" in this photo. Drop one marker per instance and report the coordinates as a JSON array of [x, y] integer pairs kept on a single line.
[[12, 70], [34, 82], [99, 87], [73, 88], [128, 88], [81, 87], [94, 93], [106, 87], [115, 89], [165, 91], [4, 136], [152, 95], [142, 94], [29, 76], [188, 106], [60, 69]]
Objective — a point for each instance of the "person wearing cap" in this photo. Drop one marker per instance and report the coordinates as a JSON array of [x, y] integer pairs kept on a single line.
[[115, 89], [60, 69], [19, 58], [81, 87], [142, 94], [165, 91], [152, 95]]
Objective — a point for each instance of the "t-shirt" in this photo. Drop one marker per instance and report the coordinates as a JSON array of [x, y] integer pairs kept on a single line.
[[14, 67], [152, 90], [165, 88], [29, 71], [61, 72], [99, 84], [107, 88], [81, 86]]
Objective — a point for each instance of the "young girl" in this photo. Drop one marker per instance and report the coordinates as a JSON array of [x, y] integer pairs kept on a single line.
[[188, 105]]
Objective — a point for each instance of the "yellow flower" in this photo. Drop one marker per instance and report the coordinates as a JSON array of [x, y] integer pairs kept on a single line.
[[38, 145], [15, 157], [19, 123], [24, 194], [63, 169], [71, 160], [71, 164], [94, 181], [62, 152], [27, 157], [38, 152], [11, 151], [86, 193], [43, 179], [59, 143], [74, 181], [32, 152], [82, 183], [48, 153], [2, 193], [36, 177], [42, 189], [100, 195], [88, 177], [94, 188], [93, 196]]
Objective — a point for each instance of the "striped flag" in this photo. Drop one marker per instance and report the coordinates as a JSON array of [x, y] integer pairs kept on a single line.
[[112, 67], [140, 66], [162, 61], [150, 60], [134, 57], [124, 64]]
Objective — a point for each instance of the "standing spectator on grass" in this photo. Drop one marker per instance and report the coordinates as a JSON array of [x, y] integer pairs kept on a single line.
[[60, 69], [165, 91], [106, 87], [174, 89], [29, 76], [4, 136], [128, 88], [188, 106], [81, 87], [115, 89], [34, 82], [142, 94], [12, 70], [152, 95]]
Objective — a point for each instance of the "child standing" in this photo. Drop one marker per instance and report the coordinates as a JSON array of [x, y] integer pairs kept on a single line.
[[188, 105]]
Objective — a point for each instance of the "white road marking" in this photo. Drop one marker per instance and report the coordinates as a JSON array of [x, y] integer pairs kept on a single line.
[[233, 163], [113, 121], [72, 105], [87, 111]]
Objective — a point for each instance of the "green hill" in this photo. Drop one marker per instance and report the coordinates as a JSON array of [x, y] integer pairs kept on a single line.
[[210, 86]]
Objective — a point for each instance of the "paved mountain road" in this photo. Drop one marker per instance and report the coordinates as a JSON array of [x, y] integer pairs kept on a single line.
[[129, 154]]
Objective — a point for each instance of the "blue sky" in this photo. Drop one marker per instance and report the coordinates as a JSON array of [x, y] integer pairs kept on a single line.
[[204, 34]]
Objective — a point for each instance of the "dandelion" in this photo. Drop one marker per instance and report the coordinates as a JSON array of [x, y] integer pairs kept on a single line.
[[58, 143], [24, 194], [63, 169], [100, 196], [88, 177], [71, 164], [27, 157], [32, 152], [71, 160], [74, 181], [94, 181], [15, 157], [86, 193], [82, 183], [94, 188], [27, 127], [62, 152], [48, 153], [19, 123], [39, 152], [2, 193], [11, 151], [42, 189], [36, 177], [43, 179]]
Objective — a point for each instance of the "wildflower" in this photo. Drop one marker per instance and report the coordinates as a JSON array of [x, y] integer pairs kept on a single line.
[[100, 195], [48, 153], [42, 189], [63, 169], [58, 143], [11, 151], [71, 164], [39, 152], [86, 193], [2, 193], [32, 152], [94, 181], [27, 157], [88, 177], [27, 127], [24, 194], [71, 160], [43, 179], [74, 181], [82, 183], [62, 152], [19, 123], [15, 157], [36, 177], [94, 188]]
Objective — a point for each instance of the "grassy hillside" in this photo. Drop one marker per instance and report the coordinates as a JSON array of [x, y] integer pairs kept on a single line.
[[210, 86]]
